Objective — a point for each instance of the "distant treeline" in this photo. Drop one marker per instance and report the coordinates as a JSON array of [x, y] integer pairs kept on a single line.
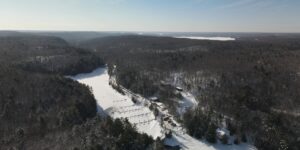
[[47, 55]]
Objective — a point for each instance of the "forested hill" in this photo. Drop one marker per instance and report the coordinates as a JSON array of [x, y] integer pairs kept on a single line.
[[42, 109], [46, 54], [34, 106], [252, 84], [166, 53]]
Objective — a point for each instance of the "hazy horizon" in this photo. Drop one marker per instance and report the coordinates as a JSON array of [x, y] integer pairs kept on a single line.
[[156, 32], [216, 16]]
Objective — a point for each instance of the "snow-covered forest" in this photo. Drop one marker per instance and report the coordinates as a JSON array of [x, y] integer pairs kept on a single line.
[[148, 92]]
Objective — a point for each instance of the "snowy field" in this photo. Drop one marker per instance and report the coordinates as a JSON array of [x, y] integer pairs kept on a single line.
[[208, 38], [121, 106]]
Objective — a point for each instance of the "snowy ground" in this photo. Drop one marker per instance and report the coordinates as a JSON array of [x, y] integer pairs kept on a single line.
[[189, 143], [208, 38], [118, 105], [180, 137], [186, 103], [121, 106]]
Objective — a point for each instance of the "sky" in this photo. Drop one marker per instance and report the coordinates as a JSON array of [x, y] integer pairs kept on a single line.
[[151, 15]]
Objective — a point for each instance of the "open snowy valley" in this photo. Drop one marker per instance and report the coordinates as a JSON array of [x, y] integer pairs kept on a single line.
[[136, 109], [150, 75]]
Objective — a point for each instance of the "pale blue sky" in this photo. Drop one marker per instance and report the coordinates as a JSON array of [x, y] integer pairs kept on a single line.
[[152, 15]]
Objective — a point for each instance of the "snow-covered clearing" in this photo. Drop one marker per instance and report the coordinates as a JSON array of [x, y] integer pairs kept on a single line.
[[121, 106], [118, 105], [180, 137], [208, 38]]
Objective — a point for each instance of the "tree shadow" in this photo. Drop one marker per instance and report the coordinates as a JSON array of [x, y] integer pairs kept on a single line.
[[97, 72]]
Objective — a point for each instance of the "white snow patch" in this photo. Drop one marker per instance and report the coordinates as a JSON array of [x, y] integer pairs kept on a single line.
[[188, 102], [222, 132], [189, 99], [189, 143], [207, 38]]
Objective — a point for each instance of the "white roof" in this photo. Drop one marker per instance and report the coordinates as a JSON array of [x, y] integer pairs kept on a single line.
[[154, 98]]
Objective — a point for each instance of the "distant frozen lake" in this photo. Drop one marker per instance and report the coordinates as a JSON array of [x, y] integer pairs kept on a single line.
[[207, 38]]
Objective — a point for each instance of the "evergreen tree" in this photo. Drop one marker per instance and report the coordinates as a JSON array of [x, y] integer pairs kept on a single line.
[[211, 133]]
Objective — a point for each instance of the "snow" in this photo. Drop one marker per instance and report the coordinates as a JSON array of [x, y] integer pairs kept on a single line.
[[189, 143], [208, 38], [188, 102], [154, 98], [222, 132], [120, 106], [189, 99]]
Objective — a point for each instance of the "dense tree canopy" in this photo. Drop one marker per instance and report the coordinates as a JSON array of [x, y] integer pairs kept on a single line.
[[42, 109], [254, 81]]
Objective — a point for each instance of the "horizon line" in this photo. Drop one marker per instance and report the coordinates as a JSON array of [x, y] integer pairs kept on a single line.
[[128, 31]]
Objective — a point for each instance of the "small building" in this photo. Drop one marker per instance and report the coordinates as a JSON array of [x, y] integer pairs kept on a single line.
[[159, 104], [164, 83], [221, 133], [179, 89], [153, 99]]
